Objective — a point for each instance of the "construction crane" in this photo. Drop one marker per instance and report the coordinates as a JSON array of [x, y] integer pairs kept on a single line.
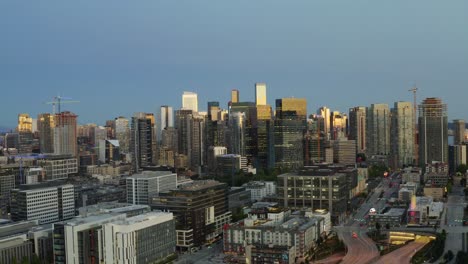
[[414, 90], [22, 179], [58, 101]]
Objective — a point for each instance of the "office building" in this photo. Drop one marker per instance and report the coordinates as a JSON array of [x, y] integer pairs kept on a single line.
[[7, 183], [457, 155], [378, 130], [249, 111], [190, 101], [65, 134], [214, 152], [344, 151], [402, 135], [289, 129], [109, 150], [260, 94], [47, 202], [115, 238], [122, 133], [200, 209], [265, 143], [234, 96], [357, 127], [141, 188], [338, 123], [230, 164], [167, 117], [24, 123], [324, 112], [143, 141], [423, 211], [315, 141], [459, 129], [318, 187], [237, 128], [433, 131], [58, 166]]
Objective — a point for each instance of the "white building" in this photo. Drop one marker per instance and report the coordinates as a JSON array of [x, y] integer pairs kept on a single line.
[[141, 188], [190, 101], [260, 189], [47, 202], [58, 166], [115, 238]]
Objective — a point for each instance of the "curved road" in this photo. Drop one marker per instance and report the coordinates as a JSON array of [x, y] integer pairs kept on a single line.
[[361, 250], [402, 255]]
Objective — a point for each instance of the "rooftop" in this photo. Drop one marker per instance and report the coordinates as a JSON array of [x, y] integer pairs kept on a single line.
[[199, 185], [151, 174]]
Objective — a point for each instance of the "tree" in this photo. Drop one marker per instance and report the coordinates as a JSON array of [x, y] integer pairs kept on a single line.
[[378, 227], [387, 226], [449, 255], [462, 168]]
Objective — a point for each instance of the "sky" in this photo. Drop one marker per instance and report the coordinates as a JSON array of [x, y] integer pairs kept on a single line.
[[120, 57]]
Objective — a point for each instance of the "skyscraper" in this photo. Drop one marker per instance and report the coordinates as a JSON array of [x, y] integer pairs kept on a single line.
[[25, 134], [357, 127], [290, 126], [237, 123], [433, 131], [234, 96], [65, 134], [142, 141], [324, 112], [260, 94], [190, 127], [402, 135], [167, 117], [46, 126], [458, 131], [338, 123], [190, 101], [378, 129], [122, 133]]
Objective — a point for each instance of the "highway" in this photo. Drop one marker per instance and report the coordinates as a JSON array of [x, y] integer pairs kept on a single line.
[[404, 254]]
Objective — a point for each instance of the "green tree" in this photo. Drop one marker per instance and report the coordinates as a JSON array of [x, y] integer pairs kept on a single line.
[[462, 168], [387, 226], [378, 227]]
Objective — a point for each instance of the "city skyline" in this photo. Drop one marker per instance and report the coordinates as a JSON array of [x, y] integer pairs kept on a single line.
[[126, 59]]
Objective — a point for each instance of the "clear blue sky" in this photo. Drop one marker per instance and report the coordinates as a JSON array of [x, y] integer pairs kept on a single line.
[[120, 57]]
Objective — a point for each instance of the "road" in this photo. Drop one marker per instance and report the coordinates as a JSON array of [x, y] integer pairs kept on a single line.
[[205, 255], [404, 254], [452, 221]]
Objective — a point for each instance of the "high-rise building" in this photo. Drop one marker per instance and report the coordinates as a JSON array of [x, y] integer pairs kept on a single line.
[[433, 131], [143, 141], [457, 155], [109, 150], [142, 188], [65, 134], [234, 96], [190, 101], [378, 129], [338, 124], [324, 112], [357, 127], [402, 135], [24, 123], [260, 94], [167, 117], [249, 110], [200, 208], [289, 128], [459, 130], [122, 133], [47, 202], [314, 141], [46, 126], [344, 151], [237, 123]]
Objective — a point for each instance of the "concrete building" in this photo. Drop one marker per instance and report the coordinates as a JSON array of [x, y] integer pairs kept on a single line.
[[260, 94], [213, 152], [269, 254], [47, 202], [344, 151], [15, 248], [122, 133], [436, 192], [141, 188], [402, 135], [338, 123], [167, 117], [46, 126], [411, 174], [234, 96], [458, 155], [260, 189], [459, 131], [58, 166], [433, 132], [115, 238], [390, 216], [190, 101], [423, 211], [318, 187], [357, 127], [200, 209], [296, 231], [378, 130], [65, 134], [230, 164], [324, 112]]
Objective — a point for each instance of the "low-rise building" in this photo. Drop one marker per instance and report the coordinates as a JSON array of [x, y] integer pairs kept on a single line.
[[423, 211], [435, 178], [260, 189], [141, 188], [269, 254], [390, 216], [436, 192], [296, 231]]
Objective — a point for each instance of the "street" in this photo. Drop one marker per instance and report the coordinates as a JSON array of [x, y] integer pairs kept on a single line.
[[205, 255]]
